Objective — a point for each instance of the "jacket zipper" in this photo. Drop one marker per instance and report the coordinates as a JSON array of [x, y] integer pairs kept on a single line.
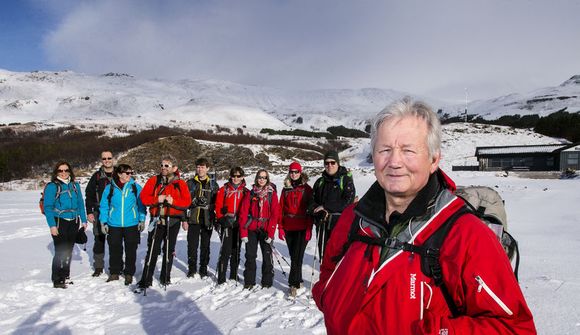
[[501, 304]]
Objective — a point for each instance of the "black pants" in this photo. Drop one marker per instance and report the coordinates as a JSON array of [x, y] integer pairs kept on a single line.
[[63, 247], [296, 241], [99, 245], [155, 240], [195, 232], [323, 231], [255, 238], [229, 251], [119, 236]]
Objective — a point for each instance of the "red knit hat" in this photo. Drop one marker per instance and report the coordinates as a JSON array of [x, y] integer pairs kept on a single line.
[[295, 166]]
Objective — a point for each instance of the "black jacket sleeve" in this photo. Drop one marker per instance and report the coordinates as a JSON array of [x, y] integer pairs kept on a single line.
[[91, 201]]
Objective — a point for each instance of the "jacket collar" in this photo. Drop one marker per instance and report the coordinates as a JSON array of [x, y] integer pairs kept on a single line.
[[372, 206]]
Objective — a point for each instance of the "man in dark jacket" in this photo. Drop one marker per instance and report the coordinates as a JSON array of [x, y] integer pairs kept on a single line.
[[201, 217], [332, 193], [93, 194]]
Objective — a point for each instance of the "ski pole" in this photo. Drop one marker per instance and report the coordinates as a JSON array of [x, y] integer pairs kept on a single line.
[[166, 245], [279, 254], [277, 259], [148, 272], [314, 259]]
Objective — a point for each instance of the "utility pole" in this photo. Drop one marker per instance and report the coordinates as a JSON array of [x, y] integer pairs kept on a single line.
[[465, 111]]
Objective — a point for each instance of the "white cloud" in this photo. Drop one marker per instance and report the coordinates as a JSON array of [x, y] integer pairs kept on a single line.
[[419, 46]]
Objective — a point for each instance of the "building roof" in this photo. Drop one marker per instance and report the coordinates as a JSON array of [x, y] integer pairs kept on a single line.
[[519, 149]]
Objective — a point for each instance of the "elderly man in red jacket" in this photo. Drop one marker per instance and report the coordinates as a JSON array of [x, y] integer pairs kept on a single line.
[[380, 288]]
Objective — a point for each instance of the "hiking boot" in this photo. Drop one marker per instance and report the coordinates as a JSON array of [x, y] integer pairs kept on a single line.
[[143, 284], [59, 284], [293, 292], [98, 272], [191, 273], [164, 282], [202, 272], [266, 286], [112, 277], [234, 277], [128, 280], [248, 287]]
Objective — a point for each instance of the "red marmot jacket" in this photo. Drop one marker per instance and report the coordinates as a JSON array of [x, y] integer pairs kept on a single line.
[[229, 199], [294, 202], [360, 295]]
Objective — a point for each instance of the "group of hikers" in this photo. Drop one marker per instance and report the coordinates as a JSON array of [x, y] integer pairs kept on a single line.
[[115, 204], [378, 274]]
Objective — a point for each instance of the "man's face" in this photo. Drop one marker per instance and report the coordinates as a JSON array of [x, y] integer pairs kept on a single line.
[[330, 166], [401, 157], [201, 171], [167, 168], [107, 159]]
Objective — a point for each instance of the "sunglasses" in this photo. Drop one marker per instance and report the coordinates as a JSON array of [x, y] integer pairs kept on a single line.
[[236, 176], [128, 172], [62, 171], [167, 166], [294, 172], [262, 178], [107, 158], [329, 163]]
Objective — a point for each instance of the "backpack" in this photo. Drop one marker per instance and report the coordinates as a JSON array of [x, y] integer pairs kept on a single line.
[[484, 202], [110, 196], [57, 195]]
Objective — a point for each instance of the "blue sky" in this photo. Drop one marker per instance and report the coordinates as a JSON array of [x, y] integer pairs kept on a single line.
[[435, 48]]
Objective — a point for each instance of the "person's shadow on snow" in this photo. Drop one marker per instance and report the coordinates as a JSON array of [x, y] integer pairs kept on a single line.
[[172, 312], [34, 325]]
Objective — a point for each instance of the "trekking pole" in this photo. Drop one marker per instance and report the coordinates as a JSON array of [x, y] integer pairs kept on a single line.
[[279, 264], [314, 259], [279, 254], [166, 244], [148, 272], [238, 251]]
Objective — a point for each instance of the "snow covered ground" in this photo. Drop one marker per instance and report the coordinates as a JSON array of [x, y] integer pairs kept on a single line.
[[543, 215]]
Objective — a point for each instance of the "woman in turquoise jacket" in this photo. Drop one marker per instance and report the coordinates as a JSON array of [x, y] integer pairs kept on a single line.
[[122, 217], [63, 206]]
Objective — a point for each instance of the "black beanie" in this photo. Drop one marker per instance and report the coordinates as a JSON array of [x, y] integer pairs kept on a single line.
[[332, 155]]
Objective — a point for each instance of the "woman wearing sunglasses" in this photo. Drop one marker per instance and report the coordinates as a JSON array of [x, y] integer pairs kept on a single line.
[[295, 224], [258, 220], [122, 216], [63, 206]]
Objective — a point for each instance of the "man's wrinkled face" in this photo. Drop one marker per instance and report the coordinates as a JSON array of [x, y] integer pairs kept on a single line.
[[401, 156]]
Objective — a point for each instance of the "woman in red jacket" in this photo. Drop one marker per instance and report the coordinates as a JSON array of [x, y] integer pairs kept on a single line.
[[258, 219], [295, 225], [227, 206]]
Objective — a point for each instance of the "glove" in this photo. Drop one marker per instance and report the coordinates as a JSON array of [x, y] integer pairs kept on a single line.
[[281, 234], [245, 239], [141, 226], [308, 234], [105, 228], [268, 240]]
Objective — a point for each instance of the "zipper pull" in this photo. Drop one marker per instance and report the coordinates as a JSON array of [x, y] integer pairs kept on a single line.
[[480, 282]]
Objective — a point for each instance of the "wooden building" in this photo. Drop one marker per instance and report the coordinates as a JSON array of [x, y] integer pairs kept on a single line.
[[545, 157]]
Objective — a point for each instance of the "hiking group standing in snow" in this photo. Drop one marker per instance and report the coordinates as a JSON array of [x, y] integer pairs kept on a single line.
[[383, 265]]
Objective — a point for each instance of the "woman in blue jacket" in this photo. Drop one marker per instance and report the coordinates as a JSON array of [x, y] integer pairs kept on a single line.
[[122, 217], [63, 205]]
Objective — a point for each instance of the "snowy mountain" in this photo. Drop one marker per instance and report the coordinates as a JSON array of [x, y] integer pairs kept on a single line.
[[122, 99], [542, 101]]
